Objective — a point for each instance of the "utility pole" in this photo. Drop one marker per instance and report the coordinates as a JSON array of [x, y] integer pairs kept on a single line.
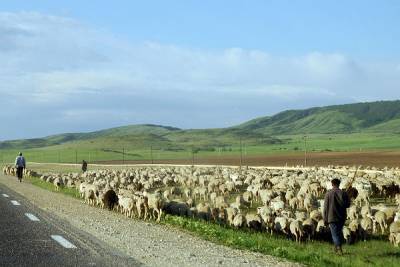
[[305, 150], [59, 157], [123, 156], [151, 154], [241, 152], [76, 157], [192, 156]]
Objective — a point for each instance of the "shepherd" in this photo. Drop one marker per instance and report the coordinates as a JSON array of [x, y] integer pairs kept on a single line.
[[20, 165], [336, 203], [84, 166]]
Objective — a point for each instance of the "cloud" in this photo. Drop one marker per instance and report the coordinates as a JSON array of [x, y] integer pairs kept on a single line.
[[58, 71]]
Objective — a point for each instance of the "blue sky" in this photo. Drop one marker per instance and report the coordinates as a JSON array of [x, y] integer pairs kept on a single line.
[[71, 66]]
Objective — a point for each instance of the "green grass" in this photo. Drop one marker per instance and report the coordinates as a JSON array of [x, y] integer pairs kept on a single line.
[[315, 253], [112, 150], [72, 192], [376, 252]]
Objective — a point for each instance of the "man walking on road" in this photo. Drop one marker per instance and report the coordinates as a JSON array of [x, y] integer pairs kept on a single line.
[[20, 165], [336, 203]]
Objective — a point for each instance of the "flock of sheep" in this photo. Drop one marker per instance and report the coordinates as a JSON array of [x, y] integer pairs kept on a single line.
[[285, 201]]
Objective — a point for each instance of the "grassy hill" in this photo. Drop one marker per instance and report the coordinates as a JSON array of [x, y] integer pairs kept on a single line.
[[382, 116], [284, 129]]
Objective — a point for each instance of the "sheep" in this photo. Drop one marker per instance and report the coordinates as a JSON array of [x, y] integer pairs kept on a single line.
[[281, 224], [177, 207], [57, 183], [295, 228], [309, 227], [283, 194], [141, 207], [239, 220], [126, 204], [265, 196], [203, 211], [394, 231], [380, 219], [220, 202], [293, 203], [253, 221], [366, 227], [89, 196], [277, 205], [366, 211], [363, 197], [82, 188], [110, 199], [230, 214], [346, 234], [155, 204]]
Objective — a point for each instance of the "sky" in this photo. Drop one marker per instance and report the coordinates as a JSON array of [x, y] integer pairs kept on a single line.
[[78, 66]]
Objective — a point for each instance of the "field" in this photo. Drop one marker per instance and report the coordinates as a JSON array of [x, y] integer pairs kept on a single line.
[[354, 149]]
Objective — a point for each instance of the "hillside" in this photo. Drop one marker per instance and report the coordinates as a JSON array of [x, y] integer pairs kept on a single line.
[[373, 117], [382, 116]]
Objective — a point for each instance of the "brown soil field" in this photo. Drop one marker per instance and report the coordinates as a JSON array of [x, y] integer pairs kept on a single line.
[[370, 158]]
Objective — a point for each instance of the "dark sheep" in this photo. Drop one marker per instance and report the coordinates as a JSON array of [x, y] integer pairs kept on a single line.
[[110, 199]]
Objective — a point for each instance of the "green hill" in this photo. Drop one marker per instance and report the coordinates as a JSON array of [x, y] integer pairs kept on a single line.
[[361, 117], [365, 118]]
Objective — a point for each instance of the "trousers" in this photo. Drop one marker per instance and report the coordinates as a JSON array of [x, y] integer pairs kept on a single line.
[[20, 171], [337, 233]]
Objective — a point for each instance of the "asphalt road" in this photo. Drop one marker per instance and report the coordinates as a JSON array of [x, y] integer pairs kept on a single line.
[[32, 237]]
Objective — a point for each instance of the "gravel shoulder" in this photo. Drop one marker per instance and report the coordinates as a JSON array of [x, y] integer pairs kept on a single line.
[[150, 243]]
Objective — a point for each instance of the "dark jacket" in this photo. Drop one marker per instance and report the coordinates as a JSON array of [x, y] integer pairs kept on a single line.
[[336, 203]]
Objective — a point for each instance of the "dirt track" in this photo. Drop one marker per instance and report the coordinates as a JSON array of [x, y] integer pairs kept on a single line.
[[370, 158]]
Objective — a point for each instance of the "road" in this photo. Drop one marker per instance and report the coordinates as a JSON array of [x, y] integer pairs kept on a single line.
[[31, 237]]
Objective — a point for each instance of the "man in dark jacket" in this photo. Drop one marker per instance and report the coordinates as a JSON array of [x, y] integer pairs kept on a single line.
[[335, 205], [84, 166], [20, 165]]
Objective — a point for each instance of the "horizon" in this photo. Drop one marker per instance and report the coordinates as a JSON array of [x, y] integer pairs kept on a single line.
[[78, 67]]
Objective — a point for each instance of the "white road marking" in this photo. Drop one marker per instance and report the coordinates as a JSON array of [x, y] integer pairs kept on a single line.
[[15, 203], [62, 241], [5, 195], [32, 217]]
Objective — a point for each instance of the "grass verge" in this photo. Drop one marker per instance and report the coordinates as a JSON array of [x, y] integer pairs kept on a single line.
[[316, 253]]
